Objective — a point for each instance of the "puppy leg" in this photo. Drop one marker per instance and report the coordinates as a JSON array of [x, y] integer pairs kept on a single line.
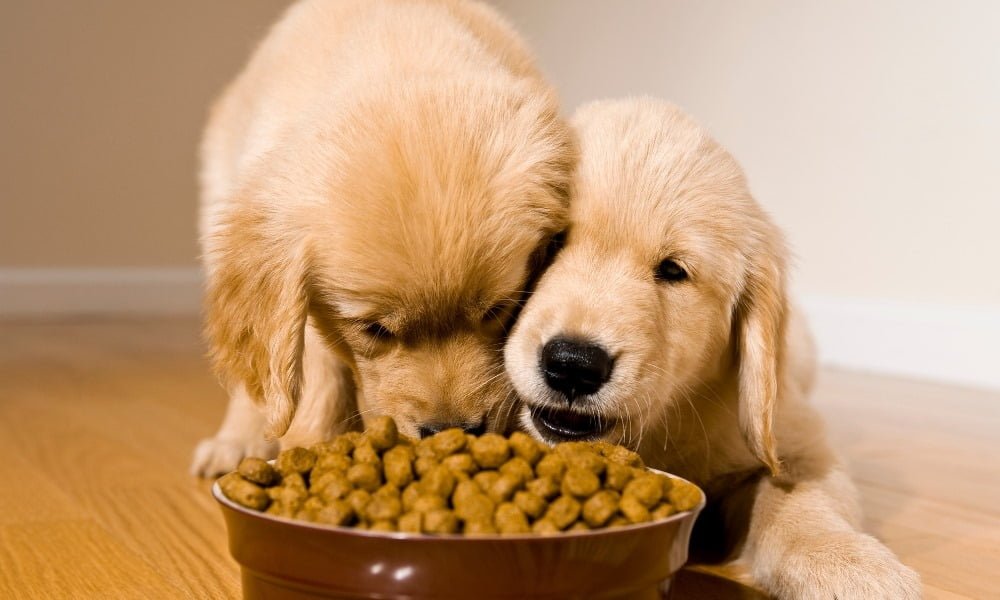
[[803, 542], [241, 434], [327, 400]]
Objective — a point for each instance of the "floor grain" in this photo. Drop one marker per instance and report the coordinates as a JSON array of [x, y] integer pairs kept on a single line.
[[98, 419]]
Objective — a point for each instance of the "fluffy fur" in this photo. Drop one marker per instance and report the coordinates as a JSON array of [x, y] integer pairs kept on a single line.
[[711, 373], [375, 185]]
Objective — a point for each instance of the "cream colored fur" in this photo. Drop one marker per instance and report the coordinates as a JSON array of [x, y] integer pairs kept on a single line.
[[376, 183], [711, 374]]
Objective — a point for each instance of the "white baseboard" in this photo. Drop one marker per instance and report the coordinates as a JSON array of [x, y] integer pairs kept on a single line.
[[63, 292], [942, 343]]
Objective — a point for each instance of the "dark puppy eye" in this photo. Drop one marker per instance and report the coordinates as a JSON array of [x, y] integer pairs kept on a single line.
[[377, 331], [670, 271]]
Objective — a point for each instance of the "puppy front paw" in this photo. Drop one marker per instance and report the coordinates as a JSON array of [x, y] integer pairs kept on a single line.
[[216, 456], [848, 566]]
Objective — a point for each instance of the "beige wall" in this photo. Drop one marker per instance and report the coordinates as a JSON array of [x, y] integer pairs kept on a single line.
[[100, 111], [871, 130]]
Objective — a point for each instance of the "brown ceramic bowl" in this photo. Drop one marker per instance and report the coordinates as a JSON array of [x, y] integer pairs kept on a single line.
[[285, 558]]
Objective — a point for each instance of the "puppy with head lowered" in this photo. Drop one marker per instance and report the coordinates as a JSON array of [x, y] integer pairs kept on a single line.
[[664, 324], [378, 185]]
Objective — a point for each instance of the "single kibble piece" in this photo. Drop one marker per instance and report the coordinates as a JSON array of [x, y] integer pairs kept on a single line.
[[524, 446], [646, 489], [411, 522], [551, 465], [531, 504], [423, 464], [579, 526], [461, 463], [410, 495], [546, 486], [503, 488], [490, 451], [428, 502], [243, 492], [384, 526], [398, 466], [257, 470], [544, 527], [286, 501], [463, 490], [666, 484], [439, 481], [510, 519], [295, 481], [617, 476], [518, 467], [662, 511], [382, 433], [633, 509], [581, 483], [388, 490], [563, 511], [684, 495], [335, 487], [383, 508], [479, 528], [618, 521], [295, 460], [624, 456], [448, 442], [339, 445], [586, 460], [332, 461], [358, 499], [338, 512], [478, 507], [425, 448], [485, 479], [365, 476], [440, 521], [599, 508], [365, 453]]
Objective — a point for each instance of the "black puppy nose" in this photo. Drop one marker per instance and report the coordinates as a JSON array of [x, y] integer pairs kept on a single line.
[[575, 368], [429, 429]]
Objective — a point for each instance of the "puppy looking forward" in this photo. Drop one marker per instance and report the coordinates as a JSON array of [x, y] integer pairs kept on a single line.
[[664, 324], [377, 184]]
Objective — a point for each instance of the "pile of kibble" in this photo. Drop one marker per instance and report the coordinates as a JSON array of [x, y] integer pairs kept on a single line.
[[454, 482]]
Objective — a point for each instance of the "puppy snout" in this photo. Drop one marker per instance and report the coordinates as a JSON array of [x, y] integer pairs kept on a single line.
[[575, 368], [429, 429]]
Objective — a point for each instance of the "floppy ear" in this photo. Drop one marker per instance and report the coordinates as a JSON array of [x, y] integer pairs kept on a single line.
[[256, 306], [761, 344]]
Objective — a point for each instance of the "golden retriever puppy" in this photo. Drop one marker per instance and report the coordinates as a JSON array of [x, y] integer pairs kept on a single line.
[[664, 324], [376, 184]]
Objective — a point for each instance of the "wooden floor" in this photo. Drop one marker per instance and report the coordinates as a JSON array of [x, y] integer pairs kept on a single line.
[[98, 418]]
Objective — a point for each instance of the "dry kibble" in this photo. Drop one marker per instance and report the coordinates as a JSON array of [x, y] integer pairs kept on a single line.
[[479, 528], [518, 467], [429, 502], [463, 490], [579, 526], [684, 495], [634, 510], [295, 481], [574, 448], [586, 460], [580, 483], [365, 476], [525, 446], [243, 492], [384, 525], [423, 464], [510, 519], [448, 442], [383, 508], [617, 476], [563, 511], [382, 433], [425, 449], [646, 489], [663, 511], [387, 490], [503, 488], [551, 465], [286, 501], [478, 507], [338, 445], [599, 508], [334, 486], [358, 499], [332, 461], [439, 481], [490, 450], [440, 521], [411, 522], [624, 456], [461, 463], [545, 527], [365, 453], [338, 512], [547, 487], [485, 479], [410, 495], [257, 470], [618, 521], [397, 466], [531, 504], [295, 460]]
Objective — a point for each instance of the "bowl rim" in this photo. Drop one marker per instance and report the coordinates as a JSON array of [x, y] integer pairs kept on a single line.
[[493, 538]]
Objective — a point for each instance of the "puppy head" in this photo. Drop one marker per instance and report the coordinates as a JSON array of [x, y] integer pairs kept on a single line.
[[404, 228], [671, 278]]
